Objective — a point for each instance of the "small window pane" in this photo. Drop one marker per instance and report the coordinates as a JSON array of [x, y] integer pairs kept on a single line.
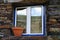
[[36, 20], [21, 18]]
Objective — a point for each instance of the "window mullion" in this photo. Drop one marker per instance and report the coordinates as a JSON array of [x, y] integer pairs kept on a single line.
[[28, 20]]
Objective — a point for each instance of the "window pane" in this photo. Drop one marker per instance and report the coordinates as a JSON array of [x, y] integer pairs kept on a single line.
[[21, 18], [36, 20]]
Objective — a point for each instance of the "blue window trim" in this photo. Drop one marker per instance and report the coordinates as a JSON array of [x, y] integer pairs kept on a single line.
[[44, 23], [14, 16]]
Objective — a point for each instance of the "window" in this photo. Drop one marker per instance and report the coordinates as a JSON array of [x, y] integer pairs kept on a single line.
[[31, 19]]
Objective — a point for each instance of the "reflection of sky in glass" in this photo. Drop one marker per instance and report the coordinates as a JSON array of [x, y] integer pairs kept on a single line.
[[21, 12], [36, 11]]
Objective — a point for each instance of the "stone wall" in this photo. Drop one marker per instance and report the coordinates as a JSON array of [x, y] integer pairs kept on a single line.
[[6, 18], [53, 20], [54, 2]]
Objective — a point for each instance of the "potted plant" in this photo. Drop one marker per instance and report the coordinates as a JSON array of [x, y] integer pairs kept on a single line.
[[17, 31]]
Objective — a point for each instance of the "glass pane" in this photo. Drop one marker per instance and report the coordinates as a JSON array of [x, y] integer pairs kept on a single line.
[[21, 18], [36, 20]]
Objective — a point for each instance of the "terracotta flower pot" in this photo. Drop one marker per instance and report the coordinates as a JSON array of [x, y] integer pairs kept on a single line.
[[17, 31]]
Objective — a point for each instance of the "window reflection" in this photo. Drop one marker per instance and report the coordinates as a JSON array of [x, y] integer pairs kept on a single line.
[[36, 20], [30, 18], [21, 18]]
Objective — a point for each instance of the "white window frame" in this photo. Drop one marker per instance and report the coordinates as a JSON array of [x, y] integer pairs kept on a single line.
[[28, 25]]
